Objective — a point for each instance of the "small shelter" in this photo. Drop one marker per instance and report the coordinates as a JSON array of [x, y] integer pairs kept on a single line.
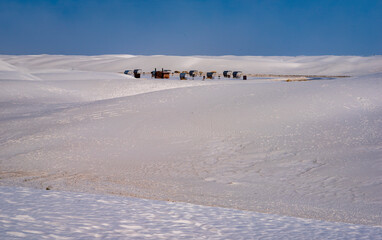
[[211, 75], [161, 74], [137, 73], [193, 73], [227, 74], [237, 74], [183, 76]]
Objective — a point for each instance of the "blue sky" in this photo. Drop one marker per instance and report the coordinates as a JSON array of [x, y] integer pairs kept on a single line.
[[193, 27]]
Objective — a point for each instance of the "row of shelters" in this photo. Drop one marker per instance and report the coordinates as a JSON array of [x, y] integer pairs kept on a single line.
[[165, 74], [226, 74]]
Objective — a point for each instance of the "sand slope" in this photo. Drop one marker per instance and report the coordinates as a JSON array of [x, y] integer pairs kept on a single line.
[[306, 149]]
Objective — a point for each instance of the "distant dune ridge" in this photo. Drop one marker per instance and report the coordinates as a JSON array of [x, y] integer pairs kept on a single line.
[[307, 149], [318, 65]]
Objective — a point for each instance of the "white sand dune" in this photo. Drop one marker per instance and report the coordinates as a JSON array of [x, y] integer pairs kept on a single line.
[[63, 215], [304, 149], [318, 65]]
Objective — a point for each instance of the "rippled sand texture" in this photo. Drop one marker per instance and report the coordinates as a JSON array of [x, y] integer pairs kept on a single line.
[[63, 215]]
